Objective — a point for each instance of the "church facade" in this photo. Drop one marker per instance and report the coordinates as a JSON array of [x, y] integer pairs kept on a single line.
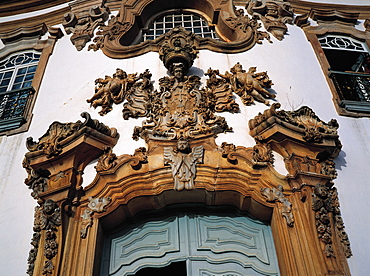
[[210, 137]]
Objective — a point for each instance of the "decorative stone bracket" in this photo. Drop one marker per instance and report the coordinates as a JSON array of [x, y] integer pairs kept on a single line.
[[276, 194], [95, 205], [83, 24]]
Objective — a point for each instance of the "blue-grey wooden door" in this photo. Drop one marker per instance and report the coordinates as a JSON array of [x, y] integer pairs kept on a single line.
[[211, 245]]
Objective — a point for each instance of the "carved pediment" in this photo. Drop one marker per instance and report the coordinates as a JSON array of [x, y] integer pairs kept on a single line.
[[238, 32], [59, 134]]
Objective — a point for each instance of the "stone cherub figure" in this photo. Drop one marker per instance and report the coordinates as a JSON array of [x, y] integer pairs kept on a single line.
[[183, 161], [112, 90], [249, 85]]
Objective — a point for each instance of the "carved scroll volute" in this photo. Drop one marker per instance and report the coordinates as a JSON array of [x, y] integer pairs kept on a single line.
[[56, 162], [307, 144]]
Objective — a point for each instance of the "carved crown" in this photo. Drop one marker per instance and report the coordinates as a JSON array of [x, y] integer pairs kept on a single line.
[[178, 47]]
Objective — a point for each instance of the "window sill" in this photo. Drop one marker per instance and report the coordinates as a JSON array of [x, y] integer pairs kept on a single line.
[[355, 106]]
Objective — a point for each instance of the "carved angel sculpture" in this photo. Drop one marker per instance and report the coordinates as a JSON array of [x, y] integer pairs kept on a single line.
[[183, 162], [249, 85], [112, 90]]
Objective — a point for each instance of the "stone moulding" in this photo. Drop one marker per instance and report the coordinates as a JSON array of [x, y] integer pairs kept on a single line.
[[115, 38]]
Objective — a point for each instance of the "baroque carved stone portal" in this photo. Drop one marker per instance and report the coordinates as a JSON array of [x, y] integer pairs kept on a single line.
[[179, 130]]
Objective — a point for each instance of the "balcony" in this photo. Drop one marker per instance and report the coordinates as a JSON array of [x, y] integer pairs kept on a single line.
[[353, 89], [14, 105]]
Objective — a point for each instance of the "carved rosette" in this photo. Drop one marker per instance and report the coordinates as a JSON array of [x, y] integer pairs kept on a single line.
[[83, 24], [95, 205], [325, 203], [276, 194], [274, 15]]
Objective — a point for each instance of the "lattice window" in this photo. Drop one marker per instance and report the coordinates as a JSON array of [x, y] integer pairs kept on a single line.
[[16, 75], [341, 43], [349, 70], [190, 22], [18, 70]]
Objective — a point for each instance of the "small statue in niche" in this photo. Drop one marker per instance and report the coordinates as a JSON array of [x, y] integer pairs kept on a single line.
[[183, 161], [112, 90], [249, 85]]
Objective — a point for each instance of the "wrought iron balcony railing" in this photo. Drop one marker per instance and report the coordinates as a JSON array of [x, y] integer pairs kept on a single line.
[[14, 105], [353, 90]]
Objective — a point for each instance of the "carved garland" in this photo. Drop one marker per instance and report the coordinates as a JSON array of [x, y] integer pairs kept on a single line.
[[47, 219], [325, 203]]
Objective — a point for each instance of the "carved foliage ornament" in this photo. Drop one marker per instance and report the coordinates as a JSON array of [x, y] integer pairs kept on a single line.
[[37, 180], [245, 23], [83, 24], [325, 203], [51, 142], [274, 15], [47, 219], [276, 194], [108, 160]]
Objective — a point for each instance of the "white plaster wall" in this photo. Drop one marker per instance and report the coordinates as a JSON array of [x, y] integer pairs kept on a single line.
[[69, 81]]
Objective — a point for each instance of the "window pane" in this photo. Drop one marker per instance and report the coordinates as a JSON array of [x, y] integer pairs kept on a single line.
[[190, 22]]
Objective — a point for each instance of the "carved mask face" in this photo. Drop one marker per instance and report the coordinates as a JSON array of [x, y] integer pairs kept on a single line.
[[49, 206], [182, 145], [178, 73]]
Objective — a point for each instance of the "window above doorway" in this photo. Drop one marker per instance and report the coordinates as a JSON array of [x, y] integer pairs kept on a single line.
[[163, 23]]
